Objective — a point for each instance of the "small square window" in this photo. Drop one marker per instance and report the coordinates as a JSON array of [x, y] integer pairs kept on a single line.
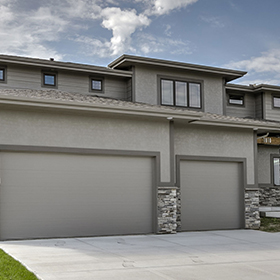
[[96, 84], [276, 101], [236, 100], [49, 79]]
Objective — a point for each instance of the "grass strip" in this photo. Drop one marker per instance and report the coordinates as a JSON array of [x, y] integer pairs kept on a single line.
[[11, 269], [270, 224]]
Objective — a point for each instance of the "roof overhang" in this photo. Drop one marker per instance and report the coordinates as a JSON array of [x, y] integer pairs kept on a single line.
[[253, 88], [58, 65], [126, 61], [188, 117]]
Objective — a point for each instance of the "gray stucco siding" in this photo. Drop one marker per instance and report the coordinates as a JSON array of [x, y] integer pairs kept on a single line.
[[264, 163], [194, 140], [146, 86], [55, 129]]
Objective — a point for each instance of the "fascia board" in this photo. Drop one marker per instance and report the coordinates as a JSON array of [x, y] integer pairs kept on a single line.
[[237, 125], [99, 108], [73, 67], [179, 65]]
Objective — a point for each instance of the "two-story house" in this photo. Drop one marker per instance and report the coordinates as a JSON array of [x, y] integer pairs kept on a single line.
[[141, 146]]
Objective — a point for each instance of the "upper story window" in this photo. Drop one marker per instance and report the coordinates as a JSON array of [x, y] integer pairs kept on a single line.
[[2, 74], [96, 84], [276, 101], [49, 79], [276, 171], [180, 93], [236, 99]]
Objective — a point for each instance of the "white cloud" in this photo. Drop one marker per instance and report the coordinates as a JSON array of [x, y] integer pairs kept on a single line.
[[161, 7], [31, 29], [123, 24], [264, 68], [268, 62]]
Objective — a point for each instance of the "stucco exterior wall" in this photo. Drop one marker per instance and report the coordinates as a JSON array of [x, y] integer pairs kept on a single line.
[[264, 163], [86, 131], [191, 139], [146, 86]]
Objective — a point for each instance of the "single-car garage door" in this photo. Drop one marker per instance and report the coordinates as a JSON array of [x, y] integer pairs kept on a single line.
[[63, 195], [211, 195]]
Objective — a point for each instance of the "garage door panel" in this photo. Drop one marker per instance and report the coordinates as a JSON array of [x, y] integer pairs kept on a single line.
[[211, 195], [52, 195]]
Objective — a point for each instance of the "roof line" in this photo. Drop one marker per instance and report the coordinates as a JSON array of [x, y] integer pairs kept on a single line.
[[175, 64], [64, 65]]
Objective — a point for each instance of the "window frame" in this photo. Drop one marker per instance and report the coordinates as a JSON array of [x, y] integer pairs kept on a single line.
[[99, 79], [50, 73], [273, 104], [4, 69], [242, 96], [274, 156], [180, 80]]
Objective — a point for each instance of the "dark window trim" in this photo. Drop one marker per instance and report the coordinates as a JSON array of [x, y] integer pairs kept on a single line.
[[4, 69], [275, 96], [96, 78], [185, 80], [272, 157], [242, 96], [50, 73]]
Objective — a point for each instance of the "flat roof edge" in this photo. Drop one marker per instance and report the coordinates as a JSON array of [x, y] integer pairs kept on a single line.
[[168, 63]]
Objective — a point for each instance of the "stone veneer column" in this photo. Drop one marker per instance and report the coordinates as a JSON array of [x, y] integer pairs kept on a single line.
[[167, 210], [252, 215]]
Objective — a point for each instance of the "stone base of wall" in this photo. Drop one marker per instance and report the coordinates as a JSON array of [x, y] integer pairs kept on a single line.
[[252, 215], [167, 210], [169, 206], [270, 196]]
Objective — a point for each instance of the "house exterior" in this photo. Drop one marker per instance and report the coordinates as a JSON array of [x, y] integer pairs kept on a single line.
[[141, 146]]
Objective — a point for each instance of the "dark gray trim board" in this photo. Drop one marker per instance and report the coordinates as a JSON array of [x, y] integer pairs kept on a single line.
[[209, 158], [85, 151], [256, 158], [272, 156], [172, 151]]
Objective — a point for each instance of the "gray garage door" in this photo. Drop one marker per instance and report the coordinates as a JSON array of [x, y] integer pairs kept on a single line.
[[63, 195], [211, 195]]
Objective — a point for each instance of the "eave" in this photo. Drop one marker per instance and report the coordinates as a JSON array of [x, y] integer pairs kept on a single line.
[[128, 60], [188, 117], [58, 65]]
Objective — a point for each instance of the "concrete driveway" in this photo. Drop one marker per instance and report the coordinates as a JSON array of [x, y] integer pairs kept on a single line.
[[234, 254]]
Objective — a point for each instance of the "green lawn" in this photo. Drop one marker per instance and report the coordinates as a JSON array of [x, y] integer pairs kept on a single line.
[[11, 269], [270, 224]]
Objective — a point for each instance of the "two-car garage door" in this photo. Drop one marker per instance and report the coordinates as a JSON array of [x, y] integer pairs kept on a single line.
[[212, 194], [63, 195]]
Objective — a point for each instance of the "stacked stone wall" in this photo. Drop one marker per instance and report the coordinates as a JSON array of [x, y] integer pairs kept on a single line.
[[167, 210], [270, 196], [252, 215]]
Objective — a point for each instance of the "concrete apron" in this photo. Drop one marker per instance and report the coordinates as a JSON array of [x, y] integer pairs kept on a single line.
[[231, 254]]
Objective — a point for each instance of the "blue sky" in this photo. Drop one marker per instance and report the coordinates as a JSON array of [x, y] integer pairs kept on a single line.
[[238, 34]]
